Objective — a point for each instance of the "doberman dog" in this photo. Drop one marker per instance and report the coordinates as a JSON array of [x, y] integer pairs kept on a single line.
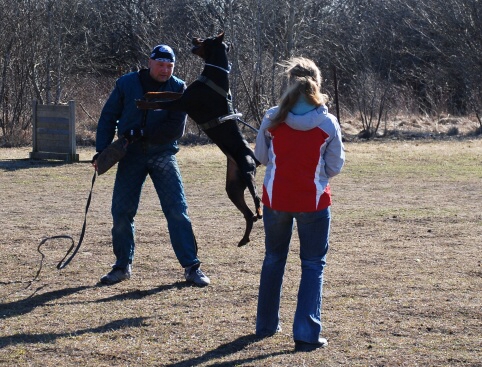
[[208, 102]]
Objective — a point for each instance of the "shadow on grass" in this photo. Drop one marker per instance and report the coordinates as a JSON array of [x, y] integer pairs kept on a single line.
[[227, 349], [26, 305], [139, 294], [23, 338], [26, 163]]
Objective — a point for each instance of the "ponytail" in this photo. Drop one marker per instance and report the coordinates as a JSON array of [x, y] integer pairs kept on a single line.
[[304, 79]]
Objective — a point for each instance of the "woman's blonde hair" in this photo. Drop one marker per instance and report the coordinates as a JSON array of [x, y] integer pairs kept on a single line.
[[304, 79]]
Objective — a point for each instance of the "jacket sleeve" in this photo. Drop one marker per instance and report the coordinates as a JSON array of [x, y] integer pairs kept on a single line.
[[334, 155], [109, 116], [263, 140]]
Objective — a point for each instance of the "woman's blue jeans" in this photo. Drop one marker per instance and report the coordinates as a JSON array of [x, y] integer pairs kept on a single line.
[[313, 232], [159, 162]]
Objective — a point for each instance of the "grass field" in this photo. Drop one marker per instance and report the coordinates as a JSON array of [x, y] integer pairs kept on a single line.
[[403, 280]]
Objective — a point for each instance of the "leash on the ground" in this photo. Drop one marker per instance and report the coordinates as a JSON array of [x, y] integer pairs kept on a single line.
[[63, 263]]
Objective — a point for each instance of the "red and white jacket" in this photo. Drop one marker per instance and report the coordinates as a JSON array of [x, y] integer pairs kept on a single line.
[[300, 155]]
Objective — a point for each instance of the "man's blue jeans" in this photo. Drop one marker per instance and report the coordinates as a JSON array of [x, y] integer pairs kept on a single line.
[[159, 162], [313, 232]]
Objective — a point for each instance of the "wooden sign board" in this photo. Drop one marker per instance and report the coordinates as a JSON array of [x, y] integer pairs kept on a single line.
[[53, 132]]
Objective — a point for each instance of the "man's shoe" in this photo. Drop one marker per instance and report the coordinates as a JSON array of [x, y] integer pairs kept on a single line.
[[301, 346], [116, 275], [195, 275]]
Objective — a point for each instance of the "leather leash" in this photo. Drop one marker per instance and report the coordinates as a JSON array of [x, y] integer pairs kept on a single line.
[[63, 263]]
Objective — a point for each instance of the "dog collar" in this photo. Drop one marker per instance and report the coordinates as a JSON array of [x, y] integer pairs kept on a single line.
[[227, 71]]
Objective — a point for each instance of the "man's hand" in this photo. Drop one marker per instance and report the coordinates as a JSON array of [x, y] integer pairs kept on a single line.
[[94, 160]]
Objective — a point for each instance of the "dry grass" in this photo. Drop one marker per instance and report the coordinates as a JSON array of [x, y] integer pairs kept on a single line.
[[403, 281]]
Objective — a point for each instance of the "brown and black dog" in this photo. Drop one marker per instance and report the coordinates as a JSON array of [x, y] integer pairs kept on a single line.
[[207, 100]]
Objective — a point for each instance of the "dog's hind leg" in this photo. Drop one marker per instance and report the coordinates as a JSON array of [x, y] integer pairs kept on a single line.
[[235, 186], [247, 163]]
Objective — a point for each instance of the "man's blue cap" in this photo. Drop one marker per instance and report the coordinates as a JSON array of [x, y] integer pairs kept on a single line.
[[163, 53]]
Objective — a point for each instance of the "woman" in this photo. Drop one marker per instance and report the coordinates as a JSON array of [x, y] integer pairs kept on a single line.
[[300, 144]]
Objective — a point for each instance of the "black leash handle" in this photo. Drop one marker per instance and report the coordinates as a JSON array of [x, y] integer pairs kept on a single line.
[[63, 263]]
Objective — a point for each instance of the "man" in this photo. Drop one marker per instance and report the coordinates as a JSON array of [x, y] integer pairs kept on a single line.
[[151, 138]]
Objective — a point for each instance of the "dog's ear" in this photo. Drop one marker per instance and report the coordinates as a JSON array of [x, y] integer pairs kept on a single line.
[[197, 41], [220, 37]]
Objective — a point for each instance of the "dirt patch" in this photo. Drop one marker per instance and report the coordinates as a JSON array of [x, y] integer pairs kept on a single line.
[[403, 280]]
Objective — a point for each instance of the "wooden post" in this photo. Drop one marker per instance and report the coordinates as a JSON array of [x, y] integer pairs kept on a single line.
[[34, 126], [53, 134], [73, 145]]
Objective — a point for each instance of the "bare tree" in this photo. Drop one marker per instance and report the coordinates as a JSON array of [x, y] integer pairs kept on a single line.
[[14, 76], [430, 49], [453, 29]]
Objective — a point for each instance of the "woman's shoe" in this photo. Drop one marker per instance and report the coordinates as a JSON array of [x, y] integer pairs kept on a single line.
[[301, 346]]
